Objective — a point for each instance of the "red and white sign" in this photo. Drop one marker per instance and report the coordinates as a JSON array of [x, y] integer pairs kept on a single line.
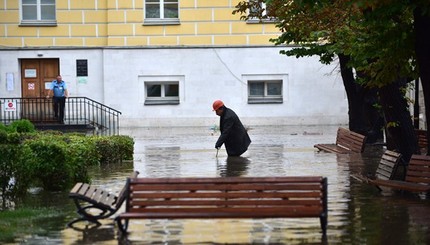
[[10, 106], [31, 86]]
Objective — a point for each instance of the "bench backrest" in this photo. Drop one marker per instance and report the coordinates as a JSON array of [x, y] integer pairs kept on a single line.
[[388, 165], [422, 138], [123, 193], [305, 196], [350, 140], [419, 169]]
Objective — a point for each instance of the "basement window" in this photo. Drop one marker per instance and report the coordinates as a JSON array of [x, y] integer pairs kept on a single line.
[[162, 93], [264, 91]]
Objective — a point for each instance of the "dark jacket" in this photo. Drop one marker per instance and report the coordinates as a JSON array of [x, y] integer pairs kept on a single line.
[[233, 134]]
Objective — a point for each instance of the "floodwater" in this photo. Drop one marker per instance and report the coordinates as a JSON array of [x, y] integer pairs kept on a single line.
[[358, 213]]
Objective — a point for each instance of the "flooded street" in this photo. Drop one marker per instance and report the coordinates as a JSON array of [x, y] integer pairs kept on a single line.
[[358, 213]]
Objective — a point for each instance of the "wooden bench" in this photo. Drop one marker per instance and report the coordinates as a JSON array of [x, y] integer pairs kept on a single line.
[[422, 139], [229, 197], [346, 142], [387, 167], [94, 203], [417, 176]]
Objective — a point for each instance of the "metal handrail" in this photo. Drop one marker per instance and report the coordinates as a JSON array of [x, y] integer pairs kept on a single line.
[[78, 111]]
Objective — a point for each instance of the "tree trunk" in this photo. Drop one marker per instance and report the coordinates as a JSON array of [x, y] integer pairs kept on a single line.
[[363, 117], [422, 49], [354, 99], [400, 130]]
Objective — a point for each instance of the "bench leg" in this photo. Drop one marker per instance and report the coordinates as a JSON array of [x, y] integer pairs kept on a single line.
[[323, 221], [83, 210], [71, 223], [122, 225]]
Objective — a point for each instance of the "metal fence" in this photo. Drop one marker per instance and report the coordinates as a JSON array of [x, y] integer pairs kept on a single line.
[[78, 111]]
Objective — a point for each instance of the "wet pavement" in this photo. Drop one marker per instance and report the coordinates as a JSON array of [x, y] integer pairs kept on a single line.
[[358, 213]]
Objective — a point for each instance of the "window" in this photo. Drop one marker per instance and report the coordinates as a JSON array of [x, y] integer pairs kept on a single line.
[[264, 91], [38, 12], [162, 93], [161, 12]]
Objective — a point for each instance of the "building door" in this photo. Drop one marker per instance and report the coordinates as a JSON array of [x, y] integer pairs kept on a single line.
[[36, 75]]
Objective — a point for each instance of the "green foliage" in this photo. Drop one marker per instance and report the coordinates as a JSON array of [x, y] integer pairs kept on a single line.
[[22, 126], [51, 159], [81, 153], [50, 166], [15, 170], [378, 35], [3, 128], [114, 149], [124, 146]]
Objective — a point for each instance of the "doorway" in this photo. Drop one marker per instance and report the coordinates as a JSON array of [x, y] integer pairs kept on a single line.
[[36, 76]]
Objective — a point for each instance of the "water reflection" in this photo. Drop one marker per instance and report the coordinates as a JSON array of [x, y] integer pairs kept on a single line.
[[97, 234], [233, 166]]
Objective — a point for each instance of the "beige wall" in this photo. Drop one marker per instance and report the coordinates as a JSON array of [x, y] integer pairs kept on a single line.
[[98, 23]]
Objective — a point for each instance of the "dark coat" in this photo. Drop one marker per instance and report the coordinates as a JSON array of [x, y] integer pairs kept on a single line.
[[233, 134]]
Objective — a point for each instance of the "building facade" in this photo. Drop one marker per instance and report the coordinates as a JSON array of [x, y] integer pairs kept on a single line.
[[163, 62]]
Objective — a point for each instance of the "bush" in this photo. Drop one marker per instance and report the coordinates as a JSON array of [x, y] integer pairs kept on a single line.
[[51, 159], [15, 171], [22, 126], [50, 166], [124, 146], [81, 153], [114, 148]]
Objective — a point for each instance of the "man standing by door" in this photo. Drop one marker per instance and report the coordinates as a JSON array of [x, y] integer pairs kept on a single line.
[[59, 89]]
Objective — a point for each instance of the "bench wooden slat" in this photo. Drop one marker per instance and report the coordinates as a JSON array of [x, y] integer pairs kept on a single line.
[[417, 176], [402, 185], [422, 139], [83, 189], [243, 203], [293, 211], [231, 197], [388, 165], [227, 187], [90, 192], [346, 142], [224, 195], [226, 180], [333, 148], [76, 188], [98, 195]]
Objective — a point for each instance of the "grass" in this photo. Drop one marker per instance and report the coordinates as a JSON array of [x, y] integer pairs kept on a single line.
[[17, 223]]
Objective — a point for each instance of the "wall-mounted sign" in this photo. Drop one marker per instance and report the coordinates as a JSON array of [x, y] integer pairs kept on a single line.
[[10, 106], [30, 73], [81, 68], [9, 81], [31, 86]]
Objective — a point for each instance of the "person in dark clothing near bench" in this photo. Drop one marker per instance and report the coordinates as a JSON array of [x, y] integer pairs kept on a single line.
[[233, 134]]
